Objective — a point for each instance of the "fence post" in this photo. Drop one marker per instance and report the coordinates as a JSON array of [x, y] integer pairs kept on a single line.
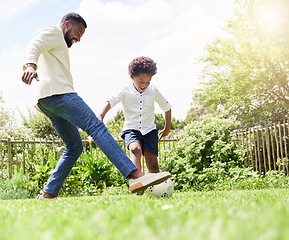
[[276, 140], [255, 151], [9, 158], [250, 148], [273, 148], [1, 157], [263, 150], [268, 146], [23, 155], [246, 143], [258, 146], [285, 146]]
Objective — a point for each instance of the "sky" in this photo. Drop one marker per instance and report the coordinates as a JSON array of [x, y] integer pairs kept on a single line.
[[171, 32]]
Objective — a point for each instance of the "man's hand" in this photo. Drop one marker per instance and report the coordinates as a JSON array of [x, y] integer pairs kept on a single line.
[[29, 74]]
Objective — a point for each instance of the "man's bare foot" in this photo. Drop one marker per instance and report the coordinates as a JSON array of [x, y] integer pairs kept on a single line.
[[47, 195]]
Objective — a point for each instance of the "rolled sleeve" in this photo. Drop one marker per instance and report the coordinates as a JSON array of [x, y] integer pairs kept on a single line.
[[115, 99], [162, 101]]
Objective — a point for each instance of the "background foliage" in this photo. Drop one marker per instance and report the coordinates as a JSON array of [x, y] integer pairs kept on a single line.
[[244, 83], [246, 71], [204, 144]]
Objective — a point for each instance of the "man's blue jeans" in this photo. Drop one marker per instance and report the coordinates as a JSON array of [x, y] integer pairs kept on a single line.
[[67, 112]]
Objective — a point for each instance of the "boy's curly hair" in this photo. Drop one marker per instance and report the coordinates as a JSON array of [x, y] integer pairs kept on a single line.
[[142, 65]]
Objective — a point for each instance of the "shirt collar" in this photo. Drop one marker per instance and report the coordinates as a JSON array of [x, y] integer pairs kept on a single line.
[[136, 91]]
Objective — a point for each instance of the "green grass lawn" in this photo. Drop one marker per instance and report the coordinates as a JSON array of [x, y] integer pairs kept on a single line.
[[262, 214]]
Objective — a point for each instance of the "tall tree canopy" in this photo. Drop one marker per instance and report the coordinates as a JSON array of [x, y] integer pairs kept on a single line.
[[246, 72], [5, 117]]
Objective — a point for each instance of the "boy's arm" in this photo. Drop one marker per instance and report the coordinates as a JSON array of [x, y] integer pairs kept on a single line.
[[105, 109], [168, 120]]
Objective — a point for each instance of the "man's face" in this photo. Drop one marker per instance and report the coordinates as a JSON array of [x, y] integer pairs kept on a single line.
[[73, 33]]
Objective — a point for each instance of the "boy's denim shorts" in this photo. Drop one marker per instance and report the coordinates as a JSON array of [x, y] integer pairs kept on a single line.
[[148, 142]]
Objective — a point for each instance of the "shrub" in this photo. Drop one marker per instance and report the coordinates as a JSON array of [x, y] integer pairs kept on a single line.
[[92, 174], [18, 187], [204, 154]]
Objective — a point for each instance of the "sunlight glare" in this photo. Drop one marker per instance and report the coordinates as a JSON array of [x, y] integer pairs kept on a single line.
[[270, 18]]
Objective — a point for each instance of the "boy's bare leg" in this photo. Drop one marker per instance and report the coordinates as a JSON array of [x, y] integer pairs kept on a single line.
[[135, 154], [151, 162]]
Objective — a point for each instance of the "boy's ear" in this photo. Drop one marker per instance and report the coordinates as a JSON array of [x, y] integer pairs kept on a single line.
[[131, 76]]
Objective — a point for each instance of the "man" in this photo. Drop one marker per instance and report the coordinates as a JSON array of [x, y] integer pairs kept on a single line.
[[56, 98]]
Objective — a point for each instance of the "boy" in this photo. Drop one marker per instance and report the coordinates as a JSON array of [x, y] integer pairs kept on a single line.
[[139, 130]]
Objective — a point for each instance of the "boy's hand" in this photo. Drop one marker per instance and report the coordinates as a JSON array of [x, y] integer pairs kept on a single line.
[[163, 133], [166, 130]]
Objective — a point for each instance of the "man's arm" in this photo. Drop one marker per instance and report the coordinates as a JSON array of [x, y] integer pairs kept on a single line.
[[29, 73], [46, 40], [168, 121]]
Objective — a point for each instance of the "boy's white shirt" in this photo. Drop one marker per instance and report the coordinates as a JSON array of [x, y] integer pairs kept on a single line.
[[139, 107], [49, 52]]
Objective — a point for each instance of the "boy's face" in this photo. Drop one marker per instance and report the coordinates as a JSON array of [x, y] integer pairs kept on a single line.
[[141, 81]]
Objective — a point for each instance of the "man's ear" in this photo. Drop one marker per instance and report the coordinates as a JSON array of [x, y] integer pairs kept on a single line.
[[66, 26]]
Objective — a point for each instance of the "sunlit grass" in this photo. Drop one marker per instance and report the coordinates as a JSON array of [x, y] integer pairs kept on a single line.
[[222, 215]]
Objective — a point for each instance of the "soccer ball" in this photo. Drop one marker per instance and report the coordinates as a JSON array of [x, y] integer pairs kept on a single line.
[[164, 189]]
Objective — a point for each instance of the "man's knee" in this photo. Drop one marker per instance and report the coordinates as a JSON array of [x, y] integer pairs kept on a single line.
[[76, 149], [79, 148]]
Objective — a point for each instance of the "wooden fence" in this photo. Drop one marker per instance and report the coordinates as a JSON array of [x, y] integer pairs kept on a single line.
[[266, 148], [15, 153]]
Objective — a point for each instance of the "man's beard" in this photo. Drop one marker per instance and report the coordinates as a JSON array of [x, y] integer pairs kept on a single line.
[[66, 38]]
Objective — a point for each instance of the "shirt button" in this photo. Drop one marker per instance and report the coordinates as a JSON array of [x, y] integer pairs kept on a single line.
[[140, 109], [140, 101]]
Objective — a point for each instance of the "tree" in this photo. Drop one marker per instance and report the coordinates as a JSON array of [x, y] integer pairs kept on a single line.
[[5, 117], [115, 125], [247, 72], [160, 122], [39, 124]]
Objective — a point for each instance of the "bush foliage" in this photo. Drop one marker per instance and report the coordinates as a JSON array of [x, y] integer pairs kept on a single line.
[[205, 144], [205, 158]]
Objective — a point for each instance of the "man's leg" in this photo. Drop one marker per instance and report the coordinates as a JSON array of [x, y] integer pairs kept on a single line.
[[71, 138], [73, 109]]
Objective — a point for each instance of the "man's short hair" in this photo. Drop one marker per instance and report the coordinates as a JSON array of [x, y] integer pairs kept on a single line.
[[73, 17]]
